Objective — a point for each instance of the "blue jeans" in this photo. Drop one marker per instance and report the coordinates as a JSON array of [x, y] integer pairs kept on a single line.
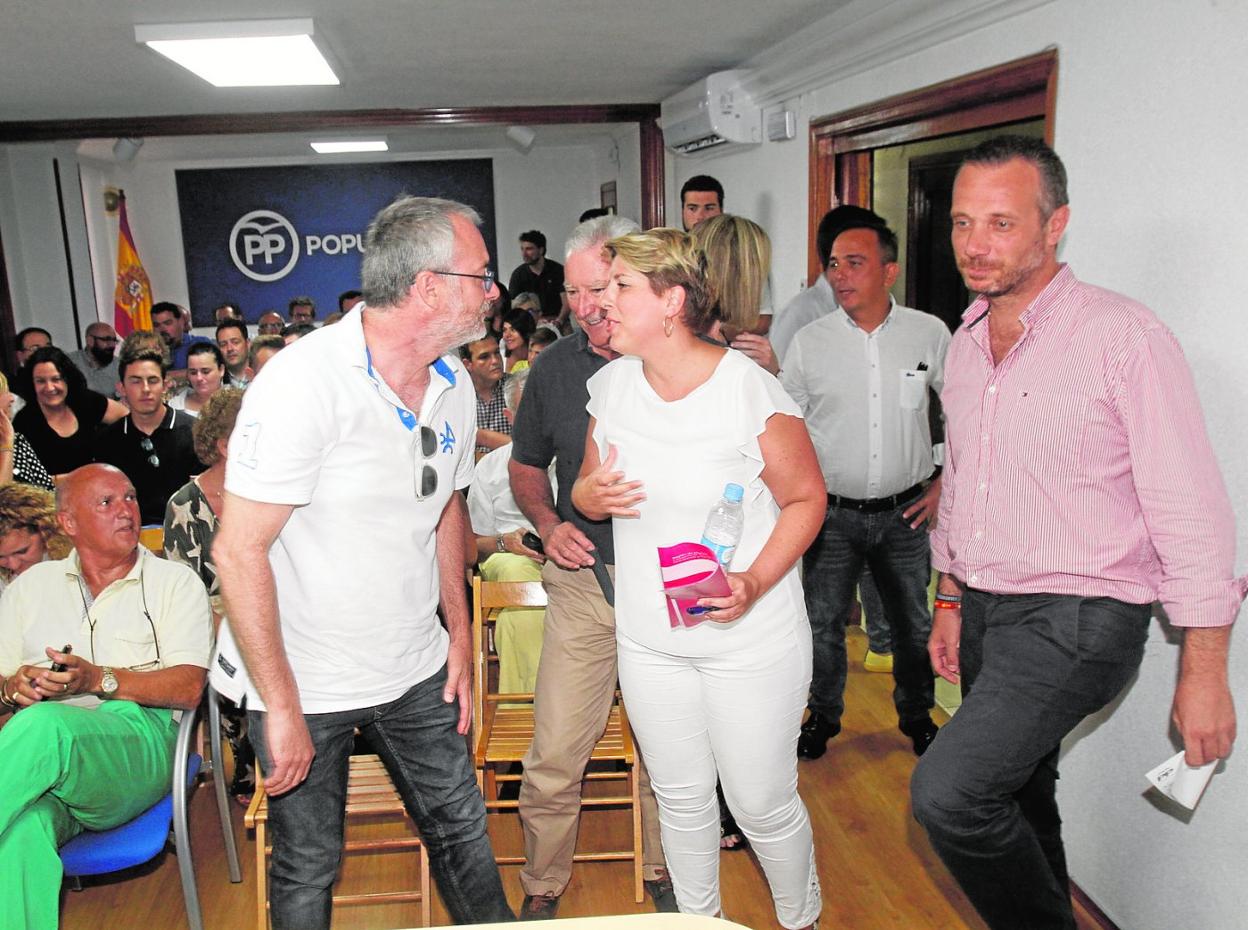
[[429, 763], [1033, 666], [879, 636], [899, 559]]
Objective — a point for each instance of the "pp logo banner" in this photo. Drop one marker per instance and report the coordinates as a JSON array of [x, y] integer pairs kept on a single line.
[[260, 241]]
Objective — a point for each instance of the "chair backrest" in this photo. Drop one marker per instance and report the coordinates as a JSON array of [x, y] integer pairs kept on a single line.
[[488, 598], [153, 538]]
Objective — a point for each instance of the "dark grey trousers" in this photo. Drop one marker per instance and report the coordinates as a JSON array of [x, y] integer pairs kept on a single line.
[[1032, 666]]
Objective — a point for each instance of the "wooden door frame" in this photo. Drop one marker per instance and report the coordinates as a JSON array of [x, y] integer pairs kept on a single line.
[[842, 145]]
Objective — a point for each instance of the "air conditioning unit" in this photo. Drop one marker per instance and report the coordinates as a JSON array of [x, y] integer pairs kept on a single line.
[[715, 111]]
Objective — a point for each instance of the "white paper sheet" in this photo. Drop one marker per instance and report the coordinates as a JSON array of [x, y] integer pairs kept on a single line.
[[1177, 780]]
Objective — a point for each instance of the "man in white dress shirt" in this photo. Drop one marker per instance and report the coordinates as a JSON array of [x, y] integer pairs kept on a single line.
[[863, 375], [816, 301]]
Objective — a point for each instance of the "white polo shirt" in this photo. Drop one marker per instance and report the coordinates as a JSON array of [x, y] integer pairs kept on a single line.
[[356, 564]]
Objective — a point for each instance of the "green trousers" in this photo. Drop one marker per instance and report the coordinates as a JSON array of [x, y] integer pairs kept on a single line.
[[64, 770], [518, 633]]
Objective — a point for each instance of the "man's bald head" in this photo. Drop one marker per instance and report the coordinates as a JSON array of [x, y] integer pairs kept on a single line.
[[98, 509], [86, 480]]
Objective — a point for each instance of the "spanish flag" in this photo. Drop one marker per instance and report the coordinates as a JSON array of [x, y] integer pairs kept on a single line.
[[132, 299]]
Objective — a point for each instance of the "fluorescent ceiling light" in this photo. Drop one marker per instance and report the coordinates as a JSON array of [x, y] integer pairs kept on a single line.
[[365, 145], [259, 53]]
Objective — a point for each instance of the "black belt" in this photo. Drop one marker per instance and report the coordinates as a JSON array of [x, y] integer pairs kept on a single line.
[[878, 504]]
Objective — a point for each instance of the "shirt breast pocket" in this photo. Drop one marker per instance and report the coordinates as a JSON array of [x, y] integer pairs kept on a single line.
[[1046, 431], [141, 648], [913, 388]]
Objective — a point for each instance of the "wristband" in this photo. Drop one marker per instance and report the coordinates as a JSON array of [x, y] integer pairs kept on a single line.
[[941, 604], [941, 596]]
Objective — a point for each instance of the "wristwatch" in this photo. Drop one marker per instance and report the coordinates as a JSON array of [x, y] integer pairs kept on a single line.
[[500, 544], [108, 682]]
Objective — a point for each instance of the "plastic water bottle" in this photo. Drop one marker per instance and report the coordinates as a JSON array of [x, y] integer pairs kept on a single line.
[[724, 524]]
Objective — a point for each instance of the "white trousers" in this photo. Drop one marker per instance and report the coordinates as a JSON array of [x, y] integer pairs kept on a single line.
[[736, 715]]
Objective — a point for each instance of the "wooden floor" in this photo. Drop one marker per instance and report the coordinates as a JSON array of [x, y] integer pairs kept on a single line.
[[875, 864]]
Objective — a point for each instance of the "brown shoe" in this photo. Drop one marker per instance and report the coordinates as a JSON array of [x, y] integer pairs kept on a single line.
[[539, 906]]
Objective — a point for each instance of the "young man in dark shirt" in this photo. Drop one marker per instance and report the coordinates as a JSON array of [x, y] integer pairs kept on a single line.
[[539, 275], [153, 445]]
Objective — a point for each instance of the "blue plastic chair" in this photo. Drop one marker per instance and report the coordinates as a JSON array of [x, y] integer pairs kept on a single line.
[[143, 838]]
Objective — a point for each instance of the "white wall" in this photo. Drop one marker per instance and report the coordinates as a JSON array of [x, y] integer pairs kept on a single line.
[[546, 189], [1152, 126], [40, 279]]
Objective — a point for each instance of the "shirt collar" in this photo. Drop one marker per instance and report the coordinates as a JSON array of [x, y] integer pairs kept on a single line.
[[444, 372], [73, 565], [848, 321], [165, 422], [1039, 310]]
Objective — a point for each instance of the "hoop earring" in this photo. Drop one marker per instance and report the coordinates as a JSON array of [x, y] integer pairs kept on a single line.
[[668, 326]]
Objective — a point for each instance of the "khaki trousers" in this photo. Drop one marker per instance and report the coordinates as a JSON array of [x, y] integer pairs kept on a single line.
[[576, 681]]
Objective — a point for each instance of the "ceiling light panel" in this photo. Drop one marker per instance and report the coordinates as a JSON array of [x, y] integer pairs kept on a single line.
[[338, 147], [260, 53]]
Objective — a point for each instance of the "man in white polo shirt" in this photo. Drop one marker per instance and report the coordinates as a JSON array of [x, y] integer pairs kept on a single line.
[[342, 535]]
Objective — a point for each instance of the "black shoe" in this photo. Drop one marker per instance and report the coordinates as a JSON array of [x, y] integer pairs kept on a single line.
[[921, 733], [816, 731], [662, 894]]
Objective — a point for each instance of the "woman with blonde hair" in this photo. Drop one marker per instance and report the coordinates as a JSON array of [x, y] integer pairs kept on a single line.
[[738, 262], [29, 533], [672, 422]]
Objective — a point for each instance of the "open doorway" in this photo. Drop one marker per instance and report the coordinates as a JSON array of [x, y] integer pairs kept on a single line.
[[898, 157], [912, 187]]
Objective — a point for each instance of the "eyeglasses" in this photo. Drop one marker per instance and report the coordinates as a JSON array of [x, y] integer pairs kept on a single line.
[[146, 445], [425, 476], [487, 280]]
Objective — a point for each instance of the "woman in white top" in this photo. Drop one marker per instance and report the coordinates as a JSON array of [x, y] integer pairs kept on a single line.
[[671, 423], [205, 374]]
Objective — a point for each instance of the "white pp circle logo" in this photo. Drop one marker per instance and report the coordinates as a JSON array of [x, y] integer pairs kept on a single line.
[[259, 241]]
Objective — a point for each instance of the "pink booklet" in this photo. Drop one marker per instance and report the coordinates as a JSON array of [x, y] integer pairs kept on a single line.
[[690, 571]]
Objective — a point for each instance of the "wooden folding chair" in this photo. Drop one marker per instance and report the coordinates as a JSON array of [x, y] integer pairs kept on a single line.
[[370, 795], [503, 728]]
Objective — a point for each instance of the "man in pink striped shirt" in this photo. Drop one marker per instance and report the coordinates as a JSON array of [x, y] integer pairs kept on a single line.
[[1079, 488]]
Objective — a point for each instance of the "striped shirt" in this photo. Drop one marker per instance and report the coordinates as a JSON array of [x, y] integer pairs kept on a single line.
[[1080, 464]]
